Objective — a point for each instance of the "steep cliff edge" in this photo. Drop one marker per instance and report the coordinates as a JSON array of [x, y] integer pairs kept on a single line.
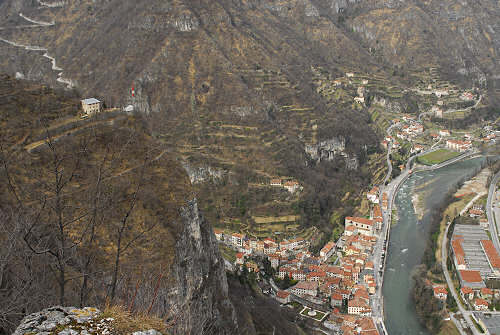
[[108, 210], [201, 294]]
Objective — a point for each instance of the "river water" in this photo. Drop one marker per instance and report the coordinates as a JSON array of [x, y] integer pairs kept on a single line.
[[408, 240]]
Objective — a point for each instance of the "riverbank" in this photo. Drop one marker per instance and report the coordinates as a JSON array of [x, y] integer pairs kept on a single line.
[[408, 240]]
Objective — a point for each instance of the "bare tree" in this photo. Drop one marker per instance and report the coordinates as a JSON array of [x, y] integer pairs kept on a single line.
[[124, 237], [47, 234]]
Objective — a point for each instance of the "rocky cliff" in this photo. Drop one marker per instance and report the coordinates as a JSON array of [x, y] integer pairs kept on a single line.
[[200, 297], [130, 231]]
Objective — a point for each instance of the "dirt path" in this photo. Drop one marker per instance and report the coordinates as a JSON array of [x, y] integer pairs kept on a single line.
[[39, 23], [60, 79]]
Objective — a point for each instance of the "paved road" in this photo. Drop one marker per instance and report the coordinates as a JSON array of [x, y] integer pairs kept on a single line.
[[423, 114], [490, 210], [465, 109], [470, 203], [457, 324], [377, 303]]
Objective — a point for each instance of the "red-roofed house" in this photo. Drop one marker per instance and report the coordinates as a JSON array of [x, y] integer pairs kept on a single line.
[[486, 293], [336, 300], [475, 213], [363, 225], [467, 293], [283, 297], [275, 182], [327, 251], [219, 234], [359, 306], [316, 276], [480, 304], [291, 186], [373, 195], [305, 288], [240, 258], [440, 292], [334, 271], [366, 326]]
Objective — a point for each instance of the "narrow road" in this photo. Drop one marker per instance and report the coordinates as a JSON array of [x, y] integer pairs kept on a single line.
[[60, 79], [489, 211], [40, 23], [457, 324], [68, 82], [51, 5], [424, 114], [470, 203], [464, 109]]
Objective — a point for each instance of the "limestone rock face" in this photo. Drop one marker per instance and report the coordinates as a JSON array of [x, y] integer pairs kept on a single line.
[[200, 294]]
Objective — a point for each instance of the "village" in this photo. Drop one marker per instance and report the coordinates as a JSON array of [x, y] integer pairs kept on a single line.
[[338, 286], [333, 287]]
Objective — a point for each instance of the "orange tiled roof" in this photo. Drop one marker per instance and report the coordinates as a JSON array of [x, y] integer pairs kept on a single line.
[[440, 290], [471, 276], [486, 291], [458, 251], [365, 221], [466, 290], [480, 301], [492, 253], [282, 294]]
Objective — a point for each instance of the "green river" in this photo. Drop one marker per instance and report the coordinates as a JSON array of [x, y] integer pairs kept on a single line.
[[408, 240]]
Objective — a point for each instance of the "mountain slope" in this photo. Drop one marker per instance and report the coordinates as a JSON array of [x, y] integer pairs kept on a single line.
[[96, 211], [235, 88]]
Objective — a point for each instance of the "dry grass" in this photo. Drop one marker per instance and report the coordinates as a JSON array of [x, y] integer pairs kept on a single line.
[[127, 323], [272, 219], [449, 328]]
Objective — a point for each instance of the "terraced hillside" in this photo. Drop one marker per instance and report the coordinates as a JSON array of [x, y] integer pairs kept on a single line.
[[241, 91]]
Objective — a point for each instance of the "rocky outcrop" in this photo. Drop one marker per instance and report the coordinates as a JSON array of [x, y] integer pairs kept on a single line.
[[199, 297], [326, 150], [330, 150], [200, 174], [70, 321]]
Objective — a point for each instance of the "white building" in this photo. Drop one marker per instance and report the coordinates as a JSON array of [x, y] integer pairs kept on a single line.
[[305, 288], [91, 106], [363, 225], [237, 239]]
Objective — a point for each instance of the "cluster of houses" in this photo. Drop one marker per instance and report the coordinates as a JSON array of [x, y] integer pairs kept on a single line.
[[353, 325], [489, 135], [247, 246], [409, 129], [458, 145], [348, 282], [291, 186], [479, 299], [389, 139], [467, 96]]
